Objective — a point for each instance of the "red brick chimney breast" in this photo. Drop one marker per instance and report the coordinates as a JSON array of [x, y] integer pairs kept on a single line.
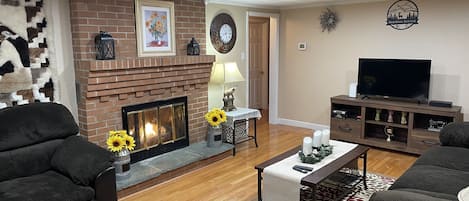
[[104, 87]]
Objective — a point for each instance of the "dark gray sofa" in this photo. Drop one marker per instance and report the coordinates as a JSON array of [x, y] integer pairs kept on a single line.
[[43, 159], [438, 174]]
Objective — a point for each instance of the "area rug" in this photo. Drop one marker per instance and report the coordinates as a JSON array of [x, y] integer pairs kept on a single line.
[[358, 193]]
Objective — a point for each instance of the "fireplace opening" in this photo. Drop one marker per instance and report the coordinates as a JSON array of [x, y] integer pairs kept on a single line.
[[157, 127]]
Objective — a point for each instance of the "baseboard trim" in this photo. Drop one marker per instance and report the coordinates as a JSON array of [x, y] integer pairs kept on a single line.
[[302, 124]]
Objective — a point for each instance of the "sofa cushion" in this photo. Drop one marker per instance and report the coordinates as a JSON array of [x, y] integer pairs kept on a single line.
[[49, 186], [402, 195], [27, 161], [430, 193], [444, 156], [433, 179], [81, 160], [455, 134], [33, 123]]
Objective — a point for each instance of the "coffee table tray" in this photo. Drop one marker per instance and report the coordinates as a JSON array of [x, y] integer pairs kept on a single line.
[[335, 187]]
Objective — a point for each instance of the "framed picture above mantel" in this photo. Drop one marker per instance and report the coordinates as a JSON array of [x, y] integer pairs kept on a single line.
[[155, 28]]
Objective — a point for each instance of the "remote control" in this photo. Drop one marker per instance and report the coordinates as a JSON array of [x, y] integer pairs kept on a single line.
[[300, 170], [304, 167]]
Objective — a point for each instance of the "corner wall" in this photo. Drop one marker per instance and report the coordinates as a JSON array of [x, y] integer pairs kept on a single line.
[[309, 78], [58, 15], [237, 54]]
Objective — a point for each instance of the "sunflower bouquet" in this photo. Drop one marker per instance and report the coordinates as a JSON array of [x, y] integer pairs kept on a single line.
[[215, 117], [120, 140]]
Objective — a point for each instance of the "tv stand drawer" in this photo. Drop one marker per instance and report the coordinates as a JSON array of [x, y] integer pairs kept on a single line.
[[348, 128], [422, 143]]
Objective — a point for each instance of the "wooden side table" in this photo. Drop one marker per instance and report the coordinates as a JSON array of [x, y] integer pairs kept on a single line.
[[240, 115]]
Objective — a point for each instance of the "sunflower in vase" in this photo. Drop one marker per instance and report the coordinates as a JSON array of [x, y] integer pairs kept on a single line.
[[215, 117], [119, 140]]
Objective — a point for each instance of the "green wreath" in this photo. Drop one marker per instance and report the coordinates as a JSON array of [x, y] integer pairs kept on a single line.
[[322, 152]]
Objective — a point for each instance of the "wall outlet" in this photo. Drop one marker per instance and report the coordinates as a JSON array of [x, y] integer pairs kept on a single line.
[[302, 46]]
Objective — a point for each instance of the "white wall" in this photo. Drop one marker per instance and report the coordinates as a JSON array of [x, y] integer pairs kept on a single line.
[[237, 54], [308, 79], [60, 39]]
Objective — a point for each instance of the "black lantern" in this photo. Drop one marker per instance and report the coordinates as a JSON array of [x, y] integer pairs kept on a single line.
[[104, 46], [193, 48]]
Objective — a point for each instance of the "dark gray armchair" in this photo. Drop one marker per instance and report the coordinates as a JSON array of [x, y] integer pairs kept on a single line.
[[43, 159], [438, 174]]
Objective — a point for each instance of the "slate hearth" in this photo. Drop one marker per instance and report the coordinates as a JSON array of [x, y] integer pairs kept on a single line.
[[153, 167]]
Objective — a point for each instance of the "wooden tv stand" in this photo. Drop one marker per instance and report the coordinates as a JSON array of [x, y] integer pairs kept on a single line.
[[361, 125]]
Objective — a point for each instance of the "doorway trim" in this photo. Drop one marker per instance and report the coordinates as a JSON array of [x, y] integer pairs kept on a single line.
[[273, 61]]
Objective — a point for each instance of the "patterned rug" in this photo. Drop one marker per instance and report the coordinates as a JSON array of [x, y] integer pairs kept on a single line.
[[329, 192]]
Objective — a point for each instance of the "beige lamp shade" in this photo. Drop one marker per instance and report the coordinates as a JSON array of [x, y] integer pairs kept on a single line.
[[232, 73], [226, 73], [218, 74]]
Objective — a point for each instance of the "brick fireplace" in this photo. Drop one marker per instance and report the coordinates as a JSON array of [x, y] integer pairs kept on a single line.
[[105, 87]]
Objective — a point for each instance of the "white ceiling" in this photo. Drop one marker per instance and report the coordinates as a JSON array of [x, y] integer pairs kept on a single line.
[[286, 4]]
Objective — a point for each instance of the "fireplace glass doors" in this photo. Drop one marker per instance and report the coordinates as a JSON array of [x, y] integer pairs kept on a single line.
[[157, 127]]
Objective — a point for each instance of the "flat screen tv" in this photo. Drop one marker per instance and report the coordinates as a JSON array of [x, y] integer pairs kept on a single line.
[[394, 78]]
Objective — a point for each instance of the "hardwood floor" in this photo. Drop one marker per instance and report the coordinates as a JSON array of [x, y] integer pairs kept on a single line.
[[235, 178]]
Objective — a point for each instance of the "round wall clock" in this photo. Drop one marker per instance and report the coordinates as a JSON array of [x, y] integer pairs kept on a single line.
[[223, 33]]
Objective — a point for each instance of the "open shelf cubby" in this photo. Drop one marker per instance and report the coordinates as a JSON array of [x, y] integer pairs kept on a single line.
[[377, 132], [367, 120], [422, 121], [352, 112]]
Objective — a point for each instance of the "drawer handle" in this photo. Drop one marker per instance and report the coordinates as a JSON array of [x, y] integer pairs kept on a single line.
[[345, 129], [430, 142]]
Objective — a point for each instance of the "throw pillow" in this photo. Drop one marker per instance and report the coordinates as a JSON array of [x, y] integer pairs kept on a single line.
[[81, 160]]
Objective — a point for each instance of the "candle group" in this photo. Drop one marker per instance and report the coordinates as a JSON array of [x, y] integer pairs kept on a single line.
[[321, 137]]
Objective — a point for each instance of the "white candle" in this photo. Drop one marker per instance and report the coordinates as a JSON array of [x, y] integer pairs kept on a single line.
[[317, 138], [307, 145], [326, 136]]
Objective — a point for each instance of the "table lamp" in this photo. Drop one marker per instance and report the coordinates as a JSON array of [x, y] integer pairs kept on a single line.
[[223, 74]]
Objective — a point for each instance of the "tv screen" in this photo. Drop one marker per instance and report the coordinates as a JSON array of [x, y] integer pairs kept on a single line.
[[398, 78]]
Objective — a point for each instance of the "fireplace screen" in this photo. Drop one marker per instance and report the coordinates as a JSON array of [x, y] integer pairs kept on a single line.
[[157, 127]]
